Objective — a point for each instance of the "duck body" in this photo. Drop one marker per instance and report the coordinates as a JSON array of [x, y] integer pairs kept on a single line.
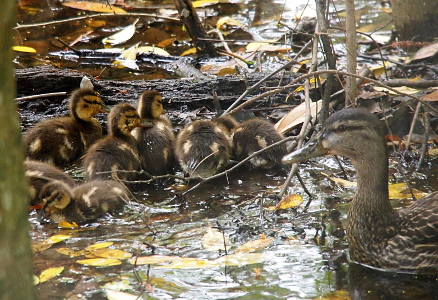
[[405, 240], [156, 143], [83, 203], [61, 141], [39, 174], [203, 148], [253, 135], [118, 151]]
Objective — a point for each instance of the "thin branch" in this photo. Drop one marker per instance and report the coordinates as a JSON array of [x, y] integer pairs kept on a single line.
[[41, 96]]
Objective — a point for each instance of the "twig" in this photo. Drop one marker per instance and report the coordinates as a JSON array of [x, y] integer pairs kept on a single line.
[[24, 26], [239, 164], [251, 88], [41, 96], [317, 73]]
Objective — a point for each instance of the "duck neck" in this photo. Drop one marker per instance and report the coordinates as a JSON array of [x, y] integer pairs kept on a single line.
[[370, 214]]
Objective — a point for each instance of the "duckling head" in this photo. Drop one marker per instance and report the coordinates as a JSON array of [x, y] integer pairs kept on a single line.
[[56, 196], [123, 118], [85, 104], [151, 105]]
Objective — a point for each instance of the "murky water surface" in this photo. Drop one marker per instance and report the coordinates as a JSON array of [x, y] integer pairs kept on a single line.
[[307, 256]]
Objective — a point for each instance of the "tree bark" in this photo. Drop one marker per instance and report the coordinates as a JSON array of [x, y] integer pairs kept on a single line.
[[16, 280], [416, 20]]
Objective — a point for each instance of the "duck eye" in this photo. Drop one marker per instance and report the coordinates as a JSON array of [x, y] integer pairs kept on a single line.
[[341, 128]]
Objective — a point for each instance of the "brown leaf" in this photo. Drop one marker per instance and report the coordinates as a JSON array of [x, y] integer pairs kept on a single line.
[[288, 202], [431, 97], [296, 116]]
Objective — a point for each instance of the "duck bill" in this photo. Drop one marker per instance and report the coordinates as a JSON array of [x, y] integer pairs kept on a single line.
[[104, 109], [43, 214], [312, 149]]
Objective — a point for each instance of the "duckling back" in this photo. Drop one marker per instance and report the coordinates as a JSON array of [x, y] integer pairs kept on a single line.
[[85, 202], [39, 174], [117, 153], [253, 135], [63, 140], [155, 144], [203, 148]]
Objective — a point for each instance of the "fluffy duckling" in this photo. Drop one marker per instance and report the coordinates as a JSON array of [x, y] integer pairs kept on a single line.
[[155, 144], [63, 140], [39, 174], [85, 202], [203, 148], [253, 135], [119, 150]]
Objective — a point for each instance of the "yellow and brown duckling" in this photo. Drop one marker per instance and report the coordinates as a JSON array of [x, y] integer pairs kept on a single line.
[[85, 202], [63, 140], [156, 143], [404, 240], [118, 151], [203, 148], [39, 174], [253, 135]]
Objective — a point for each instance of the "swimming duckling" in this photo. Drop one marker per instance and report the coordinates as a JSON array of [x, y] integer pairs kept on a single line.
[[119, 150], [203, 148], [253, 135], [39, 174], [155, 144], [85, 202], [63, 140]]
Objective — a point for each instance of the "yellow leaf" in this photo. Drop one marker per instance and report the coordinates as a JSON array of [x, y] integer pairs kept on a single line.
[[204, 3], [227, 71], [402, 191], [70, 252], [67, 225], [213, 240], [100, 262], [112, 253], [192, 264], [99, 246], [156, 50], [156, 259], [188, 52], [225, 22], [41, 246], [36, 280], [122, 35], [341, 181], [115, 295], [96, 7], [267, 46], [57, 238], [297, 116], [24, 49], [50, 273], [254, 245], [288, 202]]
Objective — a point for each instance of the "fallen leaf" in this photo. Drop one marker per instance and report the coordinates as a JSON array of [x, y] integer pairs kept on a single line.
[[227, 71], [50, 273], [254, 245], [67, 225], [100, 262], [426, 52], [70, 252], [297, 116], [24, 49], [288, 202], [341, 181], [112, 253], [402, 191], [401, 89], [155, 50], [121, 36], [157, 259], [225, 23], [99, 246], [431, 97], [213, 240], [267, 46], [93, 6]]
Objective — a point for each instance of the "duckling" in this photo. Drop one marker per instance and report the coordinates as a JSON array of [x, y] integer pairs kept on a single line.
[[85, 202], [403, 240], [203, 148], [63, 140], [39, 174], [155, 144], [119, 150], [253, 135]]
